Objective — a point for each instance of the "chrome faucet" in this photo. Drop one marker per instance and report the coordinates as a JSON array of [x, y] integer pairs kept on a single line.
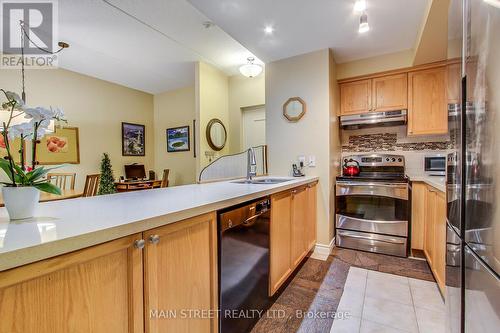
[[251, 165]]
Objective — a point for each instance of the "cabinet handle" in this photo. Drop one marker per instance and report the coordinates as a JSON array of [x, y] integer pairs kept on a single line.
[[294, 192], [154, 239], [139, 244]]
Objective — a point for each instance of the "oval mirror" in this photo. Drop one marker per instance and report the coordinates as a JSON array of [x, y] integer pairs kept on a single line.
[[294, 109], [216, 134]]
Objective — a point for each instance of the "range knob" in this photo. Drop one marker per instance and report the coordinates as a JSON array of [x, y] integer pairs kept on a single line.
[[387, 159], [400, 159], [393, 159]]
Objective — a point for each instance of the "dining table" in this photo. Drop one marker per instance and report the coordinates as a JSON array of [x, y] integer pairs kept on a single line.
[[44, 196]]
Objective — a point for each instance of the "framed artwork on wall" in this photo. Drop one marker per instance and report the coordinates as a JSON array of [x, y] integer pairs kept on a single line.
[[59, 147], [178, 139], [133, 139]]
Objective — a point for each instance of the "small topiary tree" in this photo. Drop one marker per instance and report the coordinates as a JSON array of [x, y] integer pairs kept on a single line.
[[107, 182]]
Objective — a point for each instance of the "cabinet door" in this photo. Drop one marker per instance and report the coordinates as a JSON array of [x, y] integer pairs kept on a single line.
[[311, 215], [299, 225], [418, 194], [427, 103], [430, 214], [453, 83], [440, 241], [390, 92], [98, 289], [355, 97], [280, 266], [180, 274]]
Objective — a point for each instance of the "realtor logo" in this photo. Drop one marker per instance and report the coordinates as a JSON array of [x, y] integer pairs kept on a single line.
[[29, 27]]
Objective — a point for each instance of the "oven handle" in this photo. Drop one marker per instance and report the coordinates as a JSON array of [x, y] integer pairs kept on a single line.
[[345, 217], [397, 191], [348, 234]]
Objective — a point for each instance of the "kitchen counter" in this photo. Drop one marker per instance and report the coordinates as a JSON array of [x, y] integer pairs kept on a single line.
[[438, 183], [68, 225]]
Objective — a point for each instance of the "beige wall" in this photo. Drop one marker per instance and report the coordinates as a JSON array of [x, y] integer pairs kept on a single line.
[[212, 91], [96, 107], [243, 92], [174, 109], [376, 64], [308, 77]]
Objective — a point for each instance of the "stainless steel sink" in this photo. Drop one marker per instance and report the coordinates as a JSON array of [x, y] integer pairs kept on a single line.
[[264, 181]]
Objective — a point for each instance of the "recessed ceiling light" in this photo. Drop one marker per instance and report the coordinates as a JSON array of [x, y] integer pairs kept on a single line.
[[269, 30], [360, 6], [363, 24]]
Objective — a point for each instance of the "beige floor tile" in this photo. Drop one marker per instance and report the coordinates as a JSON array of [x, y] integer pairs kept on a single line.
[[392, 314], [372, 327], [346, 325], [385, 288], [426, 295], [430, 321], [352, 302]]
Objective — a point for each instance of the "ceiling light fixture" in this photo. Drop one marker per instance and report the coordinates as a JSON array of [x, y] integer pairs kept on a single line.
[[363, 24], [360, 6], [269, 30], [251, 69]]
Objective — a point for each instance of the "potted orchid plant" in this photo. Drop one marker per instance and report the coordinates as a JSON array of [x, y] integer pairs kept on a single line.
[[21, 192]]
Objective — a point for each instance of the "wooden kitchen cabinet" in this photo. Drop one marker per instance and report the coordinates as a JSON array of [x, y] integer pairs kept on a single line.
[[281, 233], [356, 97], [312, 199], [429, 228], [300, 232], [293, 231], [390, 93], [453, 84], [180, 274], [427, 102], [98, 289]]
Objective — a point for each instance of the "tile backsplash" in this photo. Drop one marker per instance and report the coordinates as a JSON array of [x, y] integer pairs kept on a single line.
[[389, 142]]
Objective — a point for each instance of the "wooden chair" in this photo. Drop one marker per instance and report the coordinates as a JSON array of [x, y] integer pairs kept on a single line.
[[91, 185], [62, 179], [164, 180]]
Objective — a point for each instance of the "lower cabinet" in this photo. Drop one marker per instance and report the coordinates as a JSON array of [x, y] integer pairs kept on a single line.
[[148, 281], [429, 228], [293, 231]]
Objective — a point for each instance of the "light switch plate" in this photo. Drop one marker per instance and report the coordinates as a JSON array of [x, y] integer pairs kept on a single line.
[[312, 161], [302, 159]]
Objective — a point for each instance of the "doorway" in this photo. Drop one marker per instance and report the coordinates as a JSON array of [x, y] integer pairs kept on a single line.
[[254, 126]]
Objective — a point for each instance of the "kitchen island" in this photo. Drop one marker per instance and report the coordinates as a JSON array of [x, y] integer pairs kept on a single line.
[[137, 261]]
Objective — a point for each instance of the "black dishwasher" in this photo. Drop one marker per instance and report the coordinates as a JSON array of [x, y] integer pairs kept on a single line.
[[243, 238]]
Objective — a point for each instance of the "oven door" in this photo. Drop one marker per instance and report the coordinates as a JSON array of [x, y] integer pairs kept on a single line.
[[372, 207]]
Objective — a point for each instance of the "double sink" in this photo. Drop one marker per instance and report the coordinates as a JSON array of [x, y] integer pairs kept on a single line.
[[264, 181]]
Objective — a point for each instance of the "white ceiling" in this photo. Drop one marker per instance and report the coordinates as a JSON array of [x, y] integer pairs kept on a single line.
[[146, 45], [303, 26]]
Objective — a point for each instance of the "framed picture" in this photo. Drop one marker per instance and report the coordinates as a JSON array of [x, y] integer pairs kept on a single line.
[[133, 136], [15, 147], [59, 147], [178, 139]]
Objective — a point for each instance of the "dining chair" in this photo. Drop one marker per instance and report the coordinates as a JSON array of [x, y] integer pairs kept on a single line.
[[164, 180], [91, 185], [62, 180]]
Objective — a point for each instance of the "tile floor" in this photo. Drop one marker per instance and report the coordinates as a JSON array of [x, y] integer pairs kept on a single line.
[[374, 301], [318, 286]]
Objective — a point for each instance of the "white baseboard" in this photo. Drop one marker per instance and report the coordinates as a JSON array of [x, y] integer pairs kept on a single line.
[[322, 251]]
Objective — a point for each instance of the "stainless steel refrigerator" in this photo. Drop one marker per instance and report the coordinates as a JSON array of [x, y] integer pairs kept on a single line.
[[473, 235]]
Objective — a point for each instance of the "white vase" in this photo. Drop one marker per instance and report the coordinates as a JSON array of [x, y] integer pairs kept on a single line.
[[20, 202]]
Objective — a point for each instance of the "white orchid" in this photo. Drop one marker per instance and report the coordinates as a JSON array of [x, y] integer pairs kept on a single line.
[[58, 114], [38, 113], [25, 130], [13, 97]]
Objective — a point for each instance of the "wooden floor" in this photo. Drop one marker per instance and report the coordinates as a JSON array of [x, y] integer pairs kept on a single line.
[[316, 289]]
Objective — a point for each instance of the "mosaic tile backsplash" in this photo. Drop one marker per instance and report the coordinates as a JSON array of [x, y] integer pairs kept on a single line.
[[388, 142]]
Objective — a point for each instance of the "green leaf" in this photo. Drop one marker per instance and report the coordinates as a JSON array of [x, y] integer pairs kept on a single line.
[[48, 187], [5, 166]]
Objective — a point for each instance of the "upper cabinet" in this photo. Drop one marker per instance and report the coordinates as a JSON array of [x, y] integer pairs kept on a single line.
[[427, 102], [355, 97], [386, 93], [390, 93], [453, 83]]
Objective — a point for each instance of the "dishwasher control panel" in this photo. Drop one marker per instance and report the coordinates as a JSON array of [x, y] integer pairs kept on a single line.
[[243, 214]]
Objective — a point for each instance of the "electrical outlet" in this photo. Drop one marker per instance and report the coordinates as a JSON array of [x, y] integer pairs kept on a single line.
[[312, 161]]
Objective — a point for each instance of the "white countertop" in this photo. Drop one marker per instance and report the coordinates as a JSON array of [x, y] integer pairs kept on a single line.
[[437, 182], [69, 225]]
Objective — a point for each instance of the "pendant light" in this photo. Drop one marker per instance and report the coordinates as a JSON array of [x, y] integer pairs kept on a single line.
[[250, 69]]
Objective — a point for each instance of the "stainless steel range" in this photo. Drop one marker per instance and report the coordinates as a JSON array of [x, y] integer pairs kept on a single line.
[[373, 207]]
